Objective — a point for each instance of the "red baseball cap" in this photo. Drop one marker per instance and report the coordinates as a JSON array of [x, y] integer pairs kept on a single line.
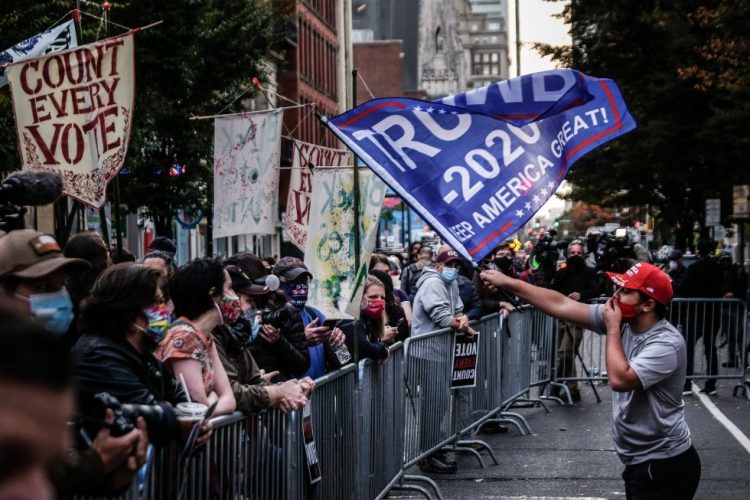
[[448, 256], [647, 279]]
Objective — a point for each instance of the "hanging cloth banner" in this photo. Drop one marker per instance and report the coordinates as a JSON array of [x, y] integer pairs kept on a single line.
[[477, 166], [74, 110], [336, 288], [247, 151], [297, 212], [53, 40]]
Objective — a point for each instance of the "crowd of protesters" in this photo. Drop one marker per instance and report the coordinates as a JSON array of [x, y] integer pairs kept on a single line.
[[240, 334]]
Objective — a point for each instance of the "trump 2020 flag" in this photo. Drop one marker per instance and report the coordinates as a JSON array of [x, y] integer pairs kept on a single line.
[[53, 40], [478, 165], [74, 110]]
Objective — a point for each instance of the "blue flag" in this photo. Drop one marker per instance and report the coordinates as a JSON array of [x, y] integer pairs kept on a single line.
[[478, 165]]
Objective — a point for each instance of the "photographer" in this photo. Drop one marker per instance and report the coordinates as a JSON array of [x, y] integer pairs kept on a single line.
[[122, 324], [250, 384], [578, 282], [502, 260]]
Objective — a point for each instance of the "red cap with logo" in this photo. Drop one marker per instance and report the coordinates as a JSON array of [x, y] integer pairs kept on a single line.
[[448, 256], [647, 279]]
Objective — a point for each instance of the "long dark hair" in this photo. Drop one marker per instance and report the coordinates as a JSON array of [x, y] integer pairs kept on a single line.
[[192, 287], [118, 298], [90, 247]]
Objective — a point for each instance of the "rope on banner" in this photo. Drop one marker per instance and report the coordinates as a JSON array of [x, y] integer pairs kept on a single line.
[[208, 117], [367, 87]]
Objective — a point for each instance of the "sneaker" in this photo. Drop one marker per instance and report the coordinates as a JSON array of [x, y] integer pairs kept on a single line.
[[709, 389], [688, 389], [432, 464]]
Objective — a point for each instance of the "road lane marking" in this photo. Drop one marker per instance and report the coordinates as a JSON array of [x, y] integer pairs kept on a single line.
[[723, 420]]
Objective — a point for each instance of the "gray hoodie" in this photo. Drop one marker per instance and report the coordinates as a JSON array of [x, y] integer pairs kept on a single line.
[[435, 303]]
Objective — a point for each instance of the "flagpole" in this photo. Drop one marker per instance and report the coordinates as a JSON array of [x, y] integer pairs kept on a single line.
[[357, 243]]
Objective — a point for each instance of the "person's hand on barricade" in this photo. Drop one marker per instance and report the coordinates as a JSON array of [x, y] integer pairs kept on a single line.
[[389, 333], [268, 377], [121, 456], [505, 309], [288, 396], [612, 314], [336, 337], [308, 385], [315, 333], [575, 296], [270, 333]]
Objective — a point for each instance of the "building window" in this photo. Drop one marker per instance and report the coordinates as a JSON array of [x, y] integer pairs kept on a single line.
[[493, 26], [438, 40], [486, 64]]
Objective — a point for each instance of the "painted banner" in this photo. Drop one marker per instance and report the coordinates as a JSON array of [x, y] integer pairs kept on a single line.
[[465, 359], [247, 152], [336, 288], [297, 212], [477, 166], [74, 110], [53, 40]]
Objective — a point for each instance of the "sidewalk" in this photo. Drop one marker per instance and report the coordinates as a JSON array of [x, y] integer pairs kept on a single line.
[[570, 455]]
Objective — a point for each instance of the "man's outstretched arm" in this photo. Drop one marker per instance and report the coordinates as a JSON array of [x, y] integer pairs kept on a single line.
[[549, 301]]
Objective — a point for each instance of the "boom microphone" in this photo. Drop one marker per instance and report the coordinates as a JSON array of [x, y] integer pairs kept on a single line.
[[31, 187]]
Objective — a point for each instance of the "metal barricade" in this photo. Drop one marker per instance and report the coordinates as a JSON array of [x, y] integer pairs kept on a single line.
[[543, 328], [428, 395], [335, 423], [516, 350], [715, 332], [380, 440]]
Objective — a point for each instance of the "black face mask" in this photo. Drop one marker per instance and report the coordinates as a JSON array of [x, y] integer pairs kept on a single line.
[[504, 263], [575, 260]]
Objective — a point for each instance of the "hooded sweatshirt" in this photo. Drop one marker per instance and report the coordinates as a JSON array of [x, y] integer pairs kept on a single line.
[[435, 303]]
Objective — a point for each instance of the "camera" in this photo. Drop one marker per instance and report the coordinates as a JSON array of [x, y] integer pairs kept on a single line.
[[126, 414], [545, 254], [612, 251], [278, 318]]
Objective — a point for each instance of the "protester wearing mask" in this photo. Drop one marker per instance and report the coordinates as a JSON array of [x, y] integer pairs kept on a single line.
[[203, 299], [437, 305], [372, 336], [323, 343], [676, 268], [252, 389], [502, 260], [646, 359], [577, 281], [32, 277], [122, 324]]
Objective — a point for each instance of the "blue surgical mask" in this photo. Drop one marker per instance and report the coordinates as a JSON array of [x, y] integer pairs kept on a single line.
[[53, 311], [449, 274]]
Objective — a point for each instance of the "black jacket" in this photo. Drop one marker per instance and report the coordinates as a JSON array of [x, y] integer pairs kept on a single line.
[[581, 279], [288, 355], [470, 298], [102, 364], [703, 279]]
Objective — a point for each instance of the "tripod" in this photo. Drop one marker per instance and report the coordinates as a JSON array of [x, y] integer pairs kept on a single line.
[[577, 355]]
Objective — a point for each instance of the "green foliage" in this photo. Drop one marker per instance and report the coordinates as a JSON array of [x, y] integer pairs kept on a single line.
[[689, 141], [203, 55]]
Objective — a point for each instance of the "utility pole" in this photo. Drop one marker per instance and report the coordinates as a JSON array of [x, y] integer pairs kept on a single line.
[[518, 39]]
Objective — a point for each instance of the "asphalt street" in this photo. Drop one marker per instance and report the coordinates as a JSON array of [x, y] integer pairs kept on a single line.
[[570, 453]]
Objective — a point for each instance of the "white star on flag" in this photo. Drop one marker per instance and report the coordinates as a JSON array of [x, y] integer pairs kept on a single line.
[[536, 199], [442, 111], [519, 213], [418, 108], [544, 192], [430, 109], [551, 185], [527, 206]]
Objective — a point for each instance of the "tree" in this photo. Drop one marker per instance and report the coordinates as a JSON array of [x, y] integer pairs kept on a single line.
[[195, 63], [671, 162]]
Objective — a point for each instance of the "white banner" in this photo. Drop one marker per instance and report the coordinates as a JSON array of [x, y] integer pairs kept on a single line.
[[297, 213], [336, 288], [55, 39], [247, 150], [73, 114]]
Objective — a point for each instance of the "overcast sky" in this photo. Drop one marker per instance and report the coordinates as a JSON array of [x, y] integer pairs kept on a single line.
[[537, 25]]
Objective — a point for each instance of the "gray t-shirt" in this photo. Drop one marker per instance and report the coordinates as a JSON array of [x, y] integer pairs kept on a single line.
[[649, 422]]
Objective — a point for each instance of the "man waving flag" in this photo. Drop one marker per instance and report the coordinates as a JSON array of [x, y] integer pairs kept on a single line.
[[478, 165]]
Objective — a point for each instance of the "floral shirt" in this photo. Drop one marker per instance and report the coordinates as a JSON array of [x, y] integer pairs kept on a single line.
[[185, 342]]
